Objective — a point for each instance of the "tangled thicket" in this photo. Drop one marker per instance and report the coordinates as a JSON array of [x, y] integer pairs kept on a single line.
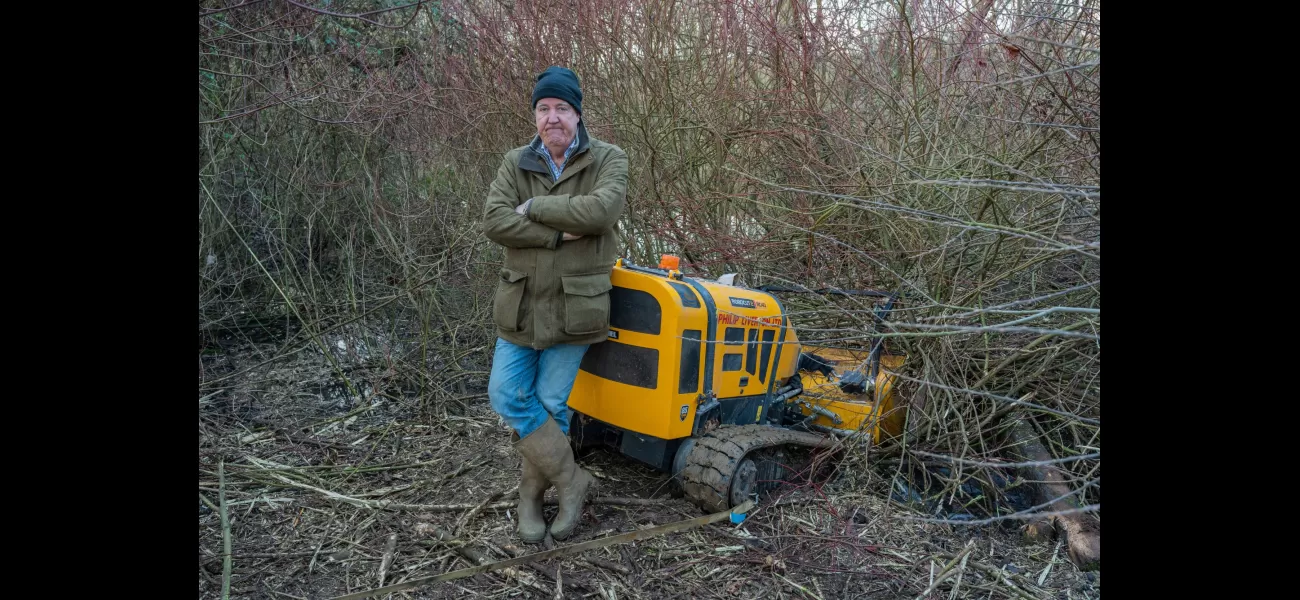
[[946, 151]]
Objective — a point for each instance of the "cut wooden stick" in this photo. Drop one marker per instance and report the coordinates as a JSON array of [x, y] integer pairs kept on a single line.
[[225, 531], [631, 536], [388, 557], [604, 564], [477, 557]]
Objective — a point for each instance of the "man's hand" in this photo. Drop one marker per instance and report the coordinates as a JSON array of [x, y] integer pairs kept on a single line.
[[569, 237]]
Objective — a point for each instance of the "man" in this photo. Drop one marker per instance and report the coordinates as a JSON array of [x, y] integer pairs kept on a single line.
[[553, 206]]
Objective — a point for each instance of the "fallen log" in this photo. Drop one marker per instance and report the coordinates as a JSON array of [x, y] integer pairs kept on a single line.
[[1082, 530]]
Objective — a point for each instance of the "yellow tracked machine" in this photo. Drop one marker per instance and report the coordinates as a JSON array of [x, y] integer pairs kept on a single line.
[[708, 381]]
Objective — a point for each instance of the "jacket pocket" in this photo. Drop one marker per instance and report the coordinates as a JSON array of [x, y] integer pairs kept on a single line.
[[509, 297], [586, 303]]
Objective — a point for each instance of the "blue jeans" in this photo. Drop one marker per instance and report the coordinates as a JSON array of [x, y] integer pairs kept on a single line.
[[529, 386]]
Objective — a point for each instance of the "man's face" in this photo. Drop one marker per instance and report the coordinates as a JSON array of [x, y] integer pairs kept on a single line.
[[557, 123]]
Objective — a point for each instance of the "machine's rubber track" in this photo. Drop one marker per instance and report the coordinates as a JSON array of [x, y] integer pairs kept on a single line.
[[712, 463]]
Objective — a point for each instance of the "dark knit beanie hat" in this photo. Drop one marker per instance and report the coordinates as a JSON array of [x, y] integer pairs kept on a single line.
[[558, 82]]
